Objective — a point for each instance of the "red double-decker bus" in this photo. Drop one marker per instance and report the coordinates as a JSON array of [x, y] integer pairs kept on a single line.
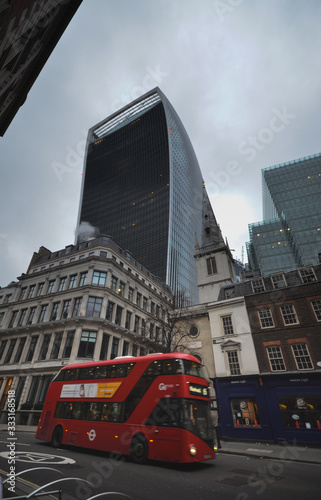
[[149, 407]]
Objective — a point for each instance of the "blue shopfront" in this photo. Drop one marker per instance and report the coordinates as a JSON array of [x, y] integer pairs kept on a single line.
[[270, 407]]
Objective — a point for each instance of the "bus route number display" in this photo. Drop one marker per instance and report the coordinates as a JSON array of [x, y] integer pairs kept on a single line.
[[198, 390]]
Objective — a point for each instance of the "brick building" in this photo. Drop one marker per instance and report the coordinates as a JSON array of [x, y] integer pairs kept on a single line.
[[283, 401]]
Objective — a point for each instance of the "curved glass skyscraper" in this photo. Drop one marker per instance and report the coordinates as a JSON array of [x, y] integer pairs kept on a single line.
[[142, 185]]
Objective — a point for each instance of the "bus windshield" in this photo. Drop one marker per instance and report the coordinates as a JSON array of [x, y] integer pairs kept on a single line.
[[190, 414]]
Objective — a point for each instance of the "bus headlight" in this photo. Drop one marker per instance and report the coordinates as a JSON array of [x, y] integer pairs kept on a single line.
[[192, 450]]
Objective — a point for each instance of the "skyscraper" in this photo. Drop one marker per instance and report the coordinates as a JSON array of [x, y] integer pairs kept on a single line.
[[142, 185], [290, 235]]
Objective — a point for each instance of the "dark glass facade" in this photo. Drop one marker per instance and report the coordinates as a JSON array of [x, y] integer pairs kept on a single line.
[[290, 235], [143, 187]]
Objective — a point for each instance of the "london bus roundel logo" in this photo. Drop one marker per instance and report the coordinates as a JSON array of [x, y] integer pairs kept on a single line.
[[92, 435]]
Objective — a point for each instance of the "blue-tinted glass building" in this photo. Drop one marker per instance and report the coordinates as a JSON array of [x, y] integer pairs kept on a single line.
[[290, 234], [142, 185]]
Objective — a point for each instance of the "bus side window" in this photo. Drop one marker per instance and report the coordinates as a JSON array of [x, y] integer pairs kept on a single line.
[[120, 371], [154, 369], [86, 373], [172, 366], [94, 411], [71, 374], [105, 415], [100, 372]]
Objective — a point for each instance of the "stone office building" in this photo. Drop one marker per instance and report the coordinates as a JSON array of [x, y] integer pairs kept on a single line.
[[90, 301]]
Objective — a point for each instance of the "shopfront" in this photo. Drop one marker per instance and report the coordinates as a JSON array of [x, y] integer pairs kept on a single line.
[[270, 407]]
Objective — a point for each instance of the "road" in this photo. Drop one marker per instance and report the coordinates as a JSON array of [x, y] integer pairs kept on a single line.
[[227, 477]]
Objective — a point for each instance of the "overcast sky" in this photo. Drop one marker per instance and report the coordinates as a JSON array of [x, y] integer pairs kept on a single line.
[[243, 75]]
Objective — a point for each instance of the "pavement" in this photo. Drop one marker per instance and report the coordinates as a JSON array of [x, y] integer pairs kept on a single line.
[[283, 451]]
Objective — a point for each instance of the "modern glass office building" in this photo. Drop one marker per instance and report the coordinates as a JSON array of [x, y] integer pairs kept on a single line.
[[290, 234], [142, 185]]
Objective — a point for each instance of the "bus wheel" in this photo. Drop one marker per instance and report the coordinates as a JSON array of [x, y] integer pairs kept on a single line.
[[139, 449], [56, 438]]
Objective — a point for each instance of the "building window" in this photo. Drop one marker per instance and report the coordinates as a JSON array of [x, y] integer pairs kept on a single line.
[[56, 346], [104, 347], [136, 324], [276, 358], [138, 299], [33, 390], [130, 294], [289, 314], [266, 318], [10, 351], [152, 308], [258, 285], [302, 356], [68, 344], [278, 281], [83, 278], [65, 309], [22, 317], [316, 304], [211, 265], [233, 361], [54, 312], [121, 289], [13, 319], [19, 389], [40, 289], [19, 350], [125, 348], [304, 407], [103, 254], [31, 291], [245, 413], [44, 347], [128, 318], [76, 309], [73, 281], [119, 311], [42, 313], [62, 284], [114, 348], [87, 344], [99, 278], [113, 283], [109, 312], [31, 315], [94, 307], [194, 331], [307, 275], [145, 303], [227, 325], [51, 285], [23, 293], [44, 388], [32, 348], [2, 347], [143, 326]]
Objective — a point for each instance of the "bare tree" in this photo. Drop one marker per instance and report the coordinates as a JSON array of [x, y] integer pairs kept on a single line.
[[172, 335]]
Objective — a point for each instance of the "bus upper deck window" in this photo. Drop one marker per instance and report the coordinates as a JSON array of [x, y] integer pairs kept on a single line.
[[172, 367]]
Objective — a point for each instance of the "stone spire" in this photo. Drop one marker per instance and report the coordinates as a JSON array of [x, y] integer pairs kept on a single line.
[[211, 232]]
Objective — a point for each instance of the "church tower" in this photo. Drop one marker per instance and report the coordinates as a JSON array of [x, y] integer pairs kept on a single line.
[[214, 261]]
